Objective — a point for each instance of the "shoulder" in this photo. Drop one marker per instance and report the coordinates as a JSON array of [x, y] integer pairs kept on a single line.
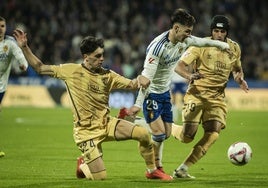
[[10, 39], [233, 44], [158, 44], [106, 71]]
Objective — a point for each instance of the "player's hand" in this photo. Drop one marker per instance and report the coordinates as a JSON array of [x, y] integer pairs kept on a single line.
[[238, 77], [244, 85], [143, 82], [133, 111], [225, 46], [21, 37], [196, 76]]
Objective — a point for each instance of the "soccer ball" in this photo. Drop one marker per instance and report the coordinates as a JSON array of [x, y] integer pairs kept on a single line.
[[239, 153]]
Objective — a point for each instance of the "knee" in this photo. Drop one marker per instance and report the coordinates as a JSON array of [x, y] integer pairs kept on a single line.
[[186, 139], [141, 134], [100, 175], [159, 138]]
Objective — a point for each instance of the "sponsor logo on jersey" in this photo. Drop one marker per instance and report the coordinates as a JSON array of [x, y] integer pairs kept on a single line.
[[150, 60]]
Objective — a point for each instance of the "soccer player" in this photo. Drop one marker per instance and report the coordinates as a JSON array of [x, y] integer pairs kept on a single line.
[[162, 55], [89, 86], [9, 53], [204, 101]]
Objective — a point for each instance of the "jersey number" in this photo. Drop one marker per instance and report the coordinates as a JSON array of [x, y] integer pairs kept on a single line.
[[191, 107], [151, 104]]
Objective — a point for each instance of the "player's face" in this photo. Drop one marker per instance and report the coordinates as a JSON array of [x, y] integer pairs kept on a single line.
[[2, 29], [95, 59], [219, 34], [182, 32]]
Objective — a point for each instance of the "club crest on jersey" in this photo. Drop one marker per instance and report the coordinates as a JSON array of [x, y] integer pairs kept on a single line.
[[151, 114], [105, 80], [180, 50], [5, 48]]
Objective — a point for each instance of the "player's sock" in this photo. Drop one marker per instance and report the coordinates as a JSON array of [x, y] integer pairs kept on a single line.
[[158, 149]]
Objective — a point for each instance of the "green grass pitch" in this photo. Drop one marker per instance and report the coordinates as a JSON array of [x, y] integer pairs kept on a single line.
[[40, 152]]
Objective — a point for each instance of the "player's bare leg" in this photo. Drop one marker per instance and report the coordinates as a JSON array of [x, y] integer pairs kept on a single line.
[[176, 131], [148, 153]]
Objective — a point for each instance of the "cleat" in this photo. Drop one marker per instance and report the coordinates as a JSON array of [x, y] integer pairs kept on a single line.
[[158, 174], [182, 174], [161, 169], [79, 172], [123, 114], [2, 154]]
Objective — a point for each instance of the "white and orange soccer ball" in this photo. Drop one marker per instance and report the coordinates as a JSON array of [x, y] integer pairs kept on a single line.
[[239, 153]]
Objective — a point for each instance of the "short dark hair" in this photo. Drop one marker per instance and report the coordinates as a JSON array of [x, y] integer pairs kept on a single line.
[[89, 44], [181, 16]]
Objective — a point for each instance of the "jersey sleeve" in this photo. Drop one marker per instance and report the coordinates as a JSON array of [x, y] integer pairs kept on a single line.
[[236, 51], [18, 54], [205, 42], [151, 62], [119, 82], [190, 55]]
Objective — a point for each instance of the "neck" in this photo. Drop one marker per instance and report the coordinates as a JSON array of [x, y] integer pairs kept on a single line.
[[90, 69]]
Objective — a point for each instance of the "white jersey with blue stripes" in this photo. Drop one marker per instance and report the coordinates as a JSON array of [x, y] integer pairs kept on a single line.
[[9, 53], [161, 59]]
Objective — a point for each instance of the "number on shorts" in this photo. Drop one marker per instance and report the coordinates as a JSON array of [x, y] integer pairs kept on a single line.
[[151, 104], [191, 106]]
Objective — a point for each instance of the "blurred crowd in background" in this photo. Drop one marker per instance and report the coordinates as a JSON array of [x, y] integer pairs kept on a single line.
[[56, 27]]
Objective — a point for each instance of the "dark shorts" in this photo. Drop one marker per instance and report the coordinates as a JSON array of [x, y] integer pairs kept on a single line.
[[1, 96], [156, 105]]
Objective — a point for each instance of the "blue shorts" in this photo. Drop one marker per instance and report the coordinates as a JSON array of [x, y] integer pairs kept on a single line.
[[1, 96], [156, 105], [179, 87]]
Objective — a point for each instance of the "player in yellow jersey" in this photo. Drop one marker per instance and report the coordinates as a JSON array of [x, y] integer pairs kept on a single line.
[[204, 101], [89, 86]]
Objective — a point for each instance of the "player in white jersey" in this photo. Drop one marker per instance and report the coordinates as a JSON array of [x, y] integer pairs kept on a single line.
[[9, 53], [162, 56]]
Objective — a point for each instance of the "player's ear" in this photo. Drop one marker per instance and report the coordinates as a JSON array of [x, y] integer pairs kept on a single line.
[[177, 28], [85, 57]]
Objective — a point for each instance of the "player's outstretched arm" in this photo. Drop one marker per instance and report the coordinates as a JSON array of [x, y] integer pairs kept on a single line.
[[139, 82], [182, 70], [203, 42], [34, 61]]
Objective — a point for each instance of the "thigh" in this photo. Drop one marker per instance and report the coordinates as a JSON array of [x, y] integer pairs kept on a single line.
[[212, 126], [123, 130], [192, 110], [92, 154], [157, 105], [189, 130], [215, 111]]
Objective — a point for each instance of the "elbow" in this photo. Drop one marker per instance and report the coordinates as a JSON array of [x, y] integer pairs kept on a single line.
[[38, 67]]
